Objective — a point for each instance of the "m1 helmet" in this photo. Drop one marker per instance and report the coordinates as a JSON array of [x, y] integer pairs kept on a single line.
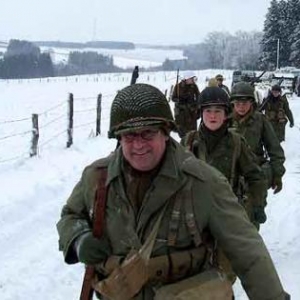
[[214, 96], [219, 77], [276, 87], [242, 91], [138, 106]]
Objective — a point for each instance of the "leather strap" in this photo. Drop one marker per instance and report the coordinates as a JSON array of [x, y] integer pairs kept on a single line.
[[87, 290]]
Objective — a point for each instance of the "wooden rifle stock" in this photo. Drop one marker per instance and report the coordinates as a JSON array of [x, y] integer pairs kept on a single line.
[[87, 290], [177, 84]]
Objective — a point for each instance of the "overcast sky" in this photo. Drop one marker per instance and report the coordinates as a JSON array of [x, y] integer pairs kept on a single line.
[[139, 21]]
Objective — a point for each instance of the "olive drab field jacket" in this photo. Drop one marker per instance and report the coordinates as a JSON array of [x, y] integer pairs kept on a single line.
[[186, 93], [200, 188], [261, 138], [278, 110], [233, 158]]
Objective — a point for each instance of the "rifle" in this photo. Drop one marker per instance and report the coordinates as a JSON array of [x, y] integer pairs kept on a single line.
[[177, 85], [87, 290], [256, 79]]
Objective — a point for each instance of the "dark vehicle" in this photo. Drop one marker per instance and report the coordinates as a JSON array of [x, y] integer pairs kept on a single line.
[[285, 80], [239, 75]]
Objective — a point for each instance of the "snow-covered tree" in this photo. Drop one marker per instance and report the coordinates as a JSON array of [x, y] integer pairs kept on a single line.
[[295, 47], [280, 26], [294, 35], [271, 34]]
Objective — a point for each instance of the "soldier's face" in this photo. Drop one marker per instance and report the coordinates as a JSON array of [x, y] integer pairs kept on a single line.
[[275, 93], [213, 117], [144, 149], [220, 82], [242, 107]]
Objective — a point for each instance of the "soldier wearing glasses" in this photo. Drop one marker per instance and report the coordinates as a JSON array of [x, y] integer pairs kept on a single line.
[[152, 179]]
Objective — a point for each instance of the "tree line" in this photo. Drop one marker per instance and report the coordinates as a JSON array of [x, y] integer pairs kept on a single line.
[[278, 45], [250, 50], [221, 50], [24, 59]]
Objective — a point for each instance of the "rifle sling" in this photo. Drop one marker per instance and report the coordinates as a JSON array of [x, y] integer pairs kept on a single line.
[[87, 290]]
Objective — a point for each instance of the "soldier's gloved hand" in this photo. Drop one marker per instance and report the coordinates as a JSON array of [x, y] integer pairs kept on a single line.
[[291, 125], [91, 250], [277, 185], [259, 214]]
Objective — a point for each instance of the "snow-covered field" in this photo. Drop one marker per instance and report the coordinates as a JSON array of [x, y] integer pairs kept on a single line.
[[144, 57], [33, 190]]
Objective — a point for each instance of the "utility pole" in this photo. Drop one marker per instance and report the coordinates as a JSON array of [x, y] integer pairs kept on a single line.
[[277, 60]]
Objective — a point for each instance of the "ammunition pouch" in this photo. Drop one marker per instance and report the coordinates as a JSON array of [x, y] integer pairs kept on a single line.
[[281, 116], [177, 265], [165, 268]]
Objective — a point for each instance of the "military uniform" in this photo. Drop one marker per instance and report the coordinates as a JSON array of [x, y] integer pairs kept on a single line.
[[278, 111], [191, 197], [224, 87], [186, 111], [262, 140], [181, 176], [259, 134], [229, 153]]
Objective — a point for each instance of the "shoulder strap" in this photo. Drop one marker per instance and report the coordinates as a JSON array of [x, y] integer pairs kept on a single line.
[[174, 221], [87, 290], [193, 144], [189, 139], [100, 203], [236, 154], [191, 221], [183, 205]]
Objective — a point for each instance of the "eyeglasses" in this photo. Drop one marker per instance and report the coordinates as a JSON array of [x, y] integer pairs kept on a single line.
[[146, 135]]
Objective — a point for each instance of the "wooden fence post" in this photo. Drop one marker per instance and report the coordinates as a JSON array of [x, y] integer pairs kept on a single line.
[[35, 135], [70, 125], [98, 120]]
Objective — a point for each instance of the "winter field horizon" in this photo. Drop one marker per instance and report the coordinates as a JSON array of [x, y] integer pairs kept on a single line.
[[34, 189]]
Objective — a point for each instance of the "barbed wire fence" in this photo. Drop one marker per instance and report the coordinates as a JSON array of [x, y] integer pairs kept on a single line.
[[54, 126], [64, 122]]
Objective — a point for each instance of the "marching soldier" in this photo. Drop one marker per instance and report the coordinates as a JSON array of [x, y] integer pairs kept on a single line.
[[259, 134], [161, 204], [228, 152], [220, 80], [277, 110], [186, 98]]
